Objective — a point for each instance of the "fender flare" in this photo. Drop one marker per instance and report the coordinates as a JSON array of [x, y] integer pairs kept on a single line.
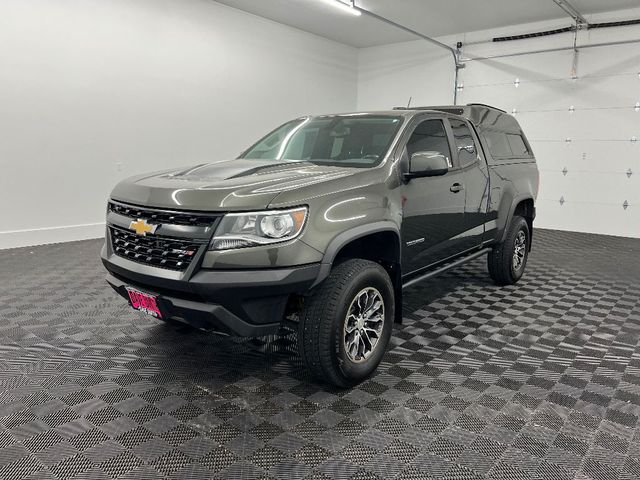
[[512, 209], [348, 236]]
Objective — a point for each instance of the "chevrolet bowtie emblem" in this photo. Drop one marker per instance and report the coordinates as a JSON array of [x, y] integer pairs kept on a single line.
[[141, 227]]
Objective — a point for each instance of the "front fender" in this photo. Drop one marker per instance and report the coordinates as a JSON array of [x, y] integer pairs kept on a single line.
[[344, 238]]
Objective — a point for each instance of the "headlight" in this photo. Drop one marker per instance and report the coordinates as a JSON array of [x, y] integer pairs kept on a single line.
[[240, 230]]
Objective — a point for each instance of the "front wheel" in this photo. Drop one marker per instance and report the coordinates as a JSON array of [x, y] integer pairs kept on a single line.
[[508, 259], [346, 323]]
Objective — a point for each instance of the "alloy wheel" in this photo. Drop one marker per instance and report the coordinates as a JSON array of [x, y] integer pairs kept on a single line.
[[520, 250], [364, 324]]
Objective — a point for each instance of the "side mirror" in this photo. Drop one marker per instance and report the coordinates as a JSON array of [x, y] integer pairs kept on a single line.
[[427, 164]]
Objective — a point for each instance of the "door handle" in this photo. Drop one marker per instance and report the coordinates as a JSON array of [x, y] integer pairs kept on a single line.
[[457, 187]]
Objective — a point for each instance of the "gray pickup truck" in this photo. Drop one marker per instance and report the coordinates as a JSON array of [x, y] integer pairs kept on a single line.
[[324, 221]]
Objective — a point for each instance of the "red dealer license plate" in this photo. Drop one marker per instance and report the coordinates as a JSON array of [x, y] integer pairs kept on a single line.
[[144, 302]]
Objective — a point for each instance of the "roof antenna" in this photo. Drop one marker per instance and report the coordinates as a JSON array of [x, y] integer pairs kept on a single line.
[[409, 102]]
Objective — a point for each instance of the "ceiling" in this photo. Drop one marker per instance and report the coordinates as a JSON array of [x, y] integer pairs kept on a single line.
[[430, 17]]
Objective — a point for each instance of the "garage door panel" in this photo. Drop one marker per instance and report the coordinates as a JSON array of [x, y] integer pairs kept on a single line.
[[605, 124], [527, 96], [506, 70], [588, 186], [576, 216], [618, 59]]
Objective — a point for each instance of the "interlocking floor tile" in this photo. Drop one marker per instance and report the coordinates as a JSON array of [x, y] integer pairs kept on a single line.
[[536, 381]]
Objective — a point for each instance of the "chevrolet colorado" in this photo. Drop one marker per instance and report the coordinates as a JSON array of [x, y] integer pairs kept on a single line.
[[325, 220]]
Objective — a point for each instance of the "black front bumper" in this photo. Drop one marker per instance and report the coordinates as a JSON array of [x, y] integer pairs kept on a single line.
[[245, 303]]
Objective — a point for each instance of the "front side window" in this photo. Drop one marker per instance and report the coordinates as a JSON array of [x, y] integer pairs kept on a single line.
[[343, 140], [430, 136], [466, 147]]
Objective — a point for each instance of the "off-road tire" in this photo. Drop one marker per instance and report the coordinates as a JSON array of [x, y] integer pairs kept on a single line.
[[500, 260], [321, 329]]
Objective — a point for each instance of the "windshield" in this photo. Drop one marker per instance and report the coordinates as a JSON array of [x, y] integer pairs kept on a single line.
[[350, 141]]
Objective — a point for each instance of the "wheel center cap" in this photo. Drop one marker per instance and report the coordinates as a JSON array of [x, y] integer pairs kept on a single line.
[[360, 323]]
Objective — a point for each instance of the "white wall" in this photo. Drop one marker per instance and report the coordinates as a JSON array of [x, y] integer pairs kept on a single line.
[[92, 91], [600, 128]]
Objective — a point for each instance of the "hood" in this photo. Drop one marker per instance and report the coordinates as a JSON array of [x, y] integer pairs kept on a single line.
[[239, 184]]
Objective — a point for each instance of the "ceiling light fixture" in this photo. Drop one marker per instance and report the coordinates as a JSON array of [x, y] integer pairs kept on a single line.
[[345, 7]]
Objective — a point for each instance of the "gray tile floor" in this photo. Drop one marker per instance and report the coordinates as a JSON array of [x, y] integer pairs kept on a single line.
[[540, 380]]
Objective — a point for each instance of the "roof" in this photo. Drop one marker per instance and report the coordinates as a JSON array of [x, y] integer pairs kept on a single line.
[[481, 115]]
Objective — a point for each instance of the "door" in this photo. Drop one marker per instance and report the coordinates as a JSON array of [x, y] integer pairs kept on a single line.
[[475, 179], [433, 207]]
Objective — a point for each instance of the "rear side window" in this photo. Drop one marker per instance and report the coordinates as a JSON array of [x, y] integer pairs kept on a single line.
[[466, 147], [506, 145], [518, 146], [430, 136], [498, 144]]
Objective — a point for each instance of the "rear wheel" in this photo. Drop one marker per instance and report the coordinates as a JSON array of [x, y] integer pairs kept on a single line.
[[346, 323], [508, 260]]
